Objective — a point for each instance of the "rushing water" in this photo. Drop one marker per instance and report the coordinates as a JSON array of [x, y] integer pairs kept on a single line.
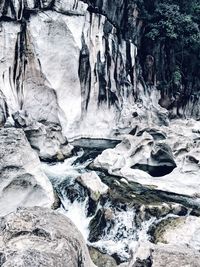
[[122, 234]]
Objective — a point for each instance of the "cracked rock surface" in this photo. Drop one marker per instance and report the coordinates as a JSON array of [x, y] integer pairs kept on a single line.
[[41, 237]]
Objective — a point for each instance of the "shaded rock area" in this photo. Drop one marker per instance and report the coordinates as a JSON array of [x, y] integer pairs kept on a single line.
[[3, 109], [40, 237], [22, 182], [46, 138], [100, 259]]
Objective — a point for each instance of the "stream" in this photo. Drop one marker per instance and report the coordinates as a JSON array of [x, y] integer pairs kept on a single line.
[[115, 225]]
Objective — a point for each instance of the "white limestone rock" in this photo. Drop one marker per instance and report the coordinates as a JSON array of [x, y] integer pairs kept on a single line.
[[55, 38], [22, 181], [8, 39], [70, 7], [46, 138], [93, 183], [3, 109], [138, 152], [182, 137]]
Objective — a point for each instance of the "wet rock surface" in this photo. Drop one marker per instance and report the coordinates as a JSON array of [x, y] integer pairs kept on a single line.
[[100, 259], [129, 214], [142, 153], [40, 237], [179, 230]]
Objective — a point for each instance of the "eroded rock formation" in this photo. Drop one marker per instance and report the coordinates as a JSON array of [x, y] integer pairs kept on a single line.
[[63, 61], [40, 237], [22, 182]]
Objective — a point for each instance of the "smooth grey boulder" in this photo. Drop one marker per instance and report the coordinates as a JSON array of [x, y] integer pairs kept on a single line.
[[179, 230], [36, 237], [162, 255], [174, 256], [47, 139], [22, 181]]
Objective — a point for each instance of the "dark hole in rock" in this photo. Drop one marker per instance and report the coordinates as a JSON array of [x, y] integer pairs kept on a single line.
[[155, 171]]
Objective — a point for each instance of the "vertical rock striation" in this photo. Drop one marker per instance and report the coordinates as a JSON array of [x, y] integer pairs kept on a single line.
[[63, 61]]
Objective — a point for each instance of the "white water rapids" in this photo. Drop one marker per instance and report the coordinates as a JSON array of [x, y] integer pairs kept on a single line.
[[121, 237]]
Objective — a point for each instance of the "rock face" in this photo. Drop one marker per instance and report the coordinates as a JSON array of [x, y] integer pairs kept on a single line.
[[138, 152], [47, 140], [40, 237], [75, 59], [102, 260], [22, 182], [86, 42], [170, 165], [3, 109]]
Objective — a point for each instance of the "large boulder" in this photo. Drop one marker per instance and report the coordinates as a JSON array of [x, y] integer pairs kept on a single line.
[[41, 237], [46, 138], [182, 230], [170, 165], [22, 181], [138, 152], [93, 183], [162, 255]]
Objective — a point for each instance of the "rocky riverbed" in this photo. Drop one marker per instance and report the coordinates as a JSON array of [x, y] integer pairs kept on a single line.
[[99, 136], [122, 215]]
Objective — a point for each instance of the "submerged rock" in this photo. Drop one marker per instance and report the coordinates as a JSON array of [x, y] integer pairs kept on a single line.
[[22, 181], [40, 237], [102, 259]]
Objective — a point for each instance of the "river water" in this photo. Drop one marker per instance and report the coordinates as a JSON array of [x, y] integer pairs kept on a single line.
[[120, 236]]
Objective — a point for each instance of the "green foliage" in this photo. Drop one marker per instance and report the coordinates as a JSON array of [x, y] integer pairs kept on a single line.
[[174, 27], [169, 23]]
